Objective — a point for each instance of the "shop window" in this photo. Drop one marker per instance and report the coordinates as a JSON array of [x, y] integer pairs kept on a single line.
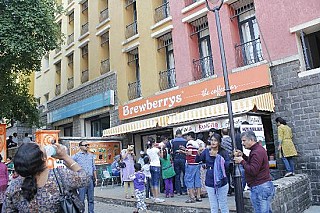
[[97, 126], [68, 131]]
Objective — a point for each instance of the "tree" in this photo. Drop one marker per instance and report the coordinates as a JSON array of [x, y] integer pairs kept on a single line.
[[27, 32]]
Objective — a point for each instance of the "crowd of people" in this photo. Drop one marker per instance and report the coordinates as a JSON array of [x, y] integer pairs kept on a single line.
[[186, 165]]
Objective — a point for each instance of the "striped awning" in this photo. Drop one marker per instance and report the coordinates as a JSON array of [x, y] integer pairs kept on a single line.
[[264, 102], [137, 125]]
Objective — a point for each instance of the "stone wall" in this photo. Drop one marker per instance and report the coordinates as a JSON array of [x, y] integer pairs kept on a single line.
[[293, 195], [297, 100]]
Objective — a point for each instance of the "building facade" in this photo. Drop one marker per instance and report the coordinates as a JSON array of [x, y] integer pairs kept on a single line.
[[136, 68]]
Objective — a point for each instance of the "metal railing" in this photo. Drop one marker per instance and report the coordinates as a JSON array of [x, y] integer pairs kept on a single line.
[[249, 52], [134, 90], [105, 66], [189, 2], [131, 29], [85, 76], [84, 6], [203, 68], [84, 28], [162, 12], [70, 38], [70, 83], [104, 38], [167, 79], [58, 89], [104, 15]]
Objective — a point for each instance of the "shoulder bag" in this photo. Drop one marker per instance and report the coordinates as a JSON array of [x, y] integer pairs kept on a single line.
[[69, 200]]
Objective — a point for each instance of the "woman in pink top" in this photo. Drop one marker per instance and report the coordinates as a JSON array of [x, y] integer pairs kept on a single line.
[[3, 181]]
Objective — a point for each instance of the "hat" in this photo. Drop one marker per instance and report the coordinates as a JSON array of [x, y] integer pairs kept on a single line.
[[141, 152]]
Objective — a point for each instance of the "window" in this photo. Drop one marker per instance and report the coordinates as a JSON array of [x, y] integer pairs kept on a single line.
[[68, 132], [71, 17], [134, 90], [85, 51], [311, 49], [97, 126], [203, 66], [70, 59], [46, 61], [249, 50]]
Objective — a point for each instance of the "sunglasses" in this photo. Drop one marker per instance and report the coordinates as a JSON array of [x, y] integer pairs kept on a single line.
[[86, 145]]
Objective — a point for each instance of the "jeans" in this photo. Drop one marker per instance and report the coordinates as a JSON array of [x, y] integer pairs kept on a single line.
[[179, 166], [218, 199], [155, 176], [261, 197], [243, 177], [148, 188], [192, 177], [89, 191], [288, 163]]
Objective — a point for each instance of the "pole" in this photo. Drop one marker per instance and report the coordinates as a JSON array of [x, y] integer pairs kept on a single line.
[[237, 173]]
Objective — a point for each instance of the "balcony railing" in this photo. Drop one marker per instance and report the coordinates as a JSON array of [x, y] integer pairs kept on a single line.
[[129, 2], [70, 39], [104, 38], [189, 2], [131, 29], [162, 12], [104, 15], [58, 89], [203, 68], [84, 28], [85, 76], [167, 79], [84, 6], [70, 83], [249, 52], [105, 66], [134, 90]]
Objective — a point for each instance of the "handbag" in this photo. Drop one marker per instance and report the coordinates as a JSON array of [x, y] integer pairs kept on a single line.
[[69, 200]]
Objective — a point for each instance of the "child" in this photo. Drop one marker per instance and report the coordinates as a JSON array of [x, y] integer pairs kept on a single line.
[[139, 179], [146, 171], [167, 172]]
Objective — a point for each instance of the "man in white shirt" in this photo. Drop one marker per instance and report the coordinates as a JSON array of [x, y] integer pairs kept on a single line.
[[26, 139]]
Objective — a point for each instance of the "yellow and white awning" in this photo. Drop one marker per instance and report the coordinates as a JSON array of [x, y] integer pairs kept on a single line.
[[137, 125], [264, 102]]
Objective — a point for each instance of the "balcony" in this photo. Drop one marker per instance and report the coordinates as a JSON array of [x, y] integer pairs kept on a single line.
[[104, 15], [167, 79], [134, 90], [203, 68], [70, 39], [85, 28], [162, 12], [105, 66], [249, 53], [129, 2], [131, 29], [70, 83], [85, 6], [85, 76], [190, 2], [58, 89], [104, 38]]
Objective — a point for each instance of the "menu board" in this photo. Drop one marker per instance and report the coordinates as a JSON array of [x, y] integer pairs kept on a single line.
[[3, 142], [104, 151]]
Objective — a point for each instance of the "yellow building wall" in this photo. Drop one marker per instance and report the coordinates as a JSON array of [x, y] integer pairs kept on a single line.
[[151, 60]]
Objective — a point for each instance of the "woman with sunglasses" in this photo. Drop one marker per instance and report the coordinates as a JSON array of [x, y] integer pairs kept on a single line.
[[217, 162]]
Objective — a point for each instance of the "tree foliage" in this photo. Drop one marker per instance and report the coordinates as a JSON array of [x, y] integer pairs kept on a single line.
[[27, 32]]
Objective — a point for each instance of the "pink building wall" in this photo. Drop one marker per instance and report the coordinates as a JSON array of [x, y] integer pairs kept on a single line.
[[276, 19]]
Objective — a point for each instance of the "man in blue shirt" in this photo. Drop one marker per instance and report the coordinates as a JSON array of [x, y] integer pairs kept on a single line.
[[86, 161]]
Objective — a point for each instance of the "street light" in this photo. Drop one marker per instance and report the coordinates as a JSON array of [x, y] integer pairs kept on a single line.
[[216, 6]]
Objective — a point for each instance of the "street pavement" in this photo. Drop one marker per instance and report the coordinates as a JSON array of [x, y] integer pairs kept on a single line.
[[100, 207]]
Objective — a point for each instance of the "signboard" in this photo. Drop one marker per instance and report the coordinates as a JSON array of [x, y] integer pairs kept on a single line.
[[104, 151], [259, 131], [203, 91], [83, 106], [46, 137], [3, 141]]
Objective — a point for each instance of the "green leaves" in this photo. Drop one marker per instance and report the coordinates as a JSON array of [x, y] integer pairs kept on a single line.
[[27, 32]]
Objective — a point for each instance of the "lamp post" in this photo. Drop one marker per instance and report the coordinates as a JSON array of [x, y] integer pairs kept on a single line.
[[216, 6]]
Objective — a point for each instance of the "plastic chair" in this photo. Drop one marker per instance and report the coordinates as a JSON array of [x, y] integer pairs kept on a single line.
[[105, 177], [114, 178]]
